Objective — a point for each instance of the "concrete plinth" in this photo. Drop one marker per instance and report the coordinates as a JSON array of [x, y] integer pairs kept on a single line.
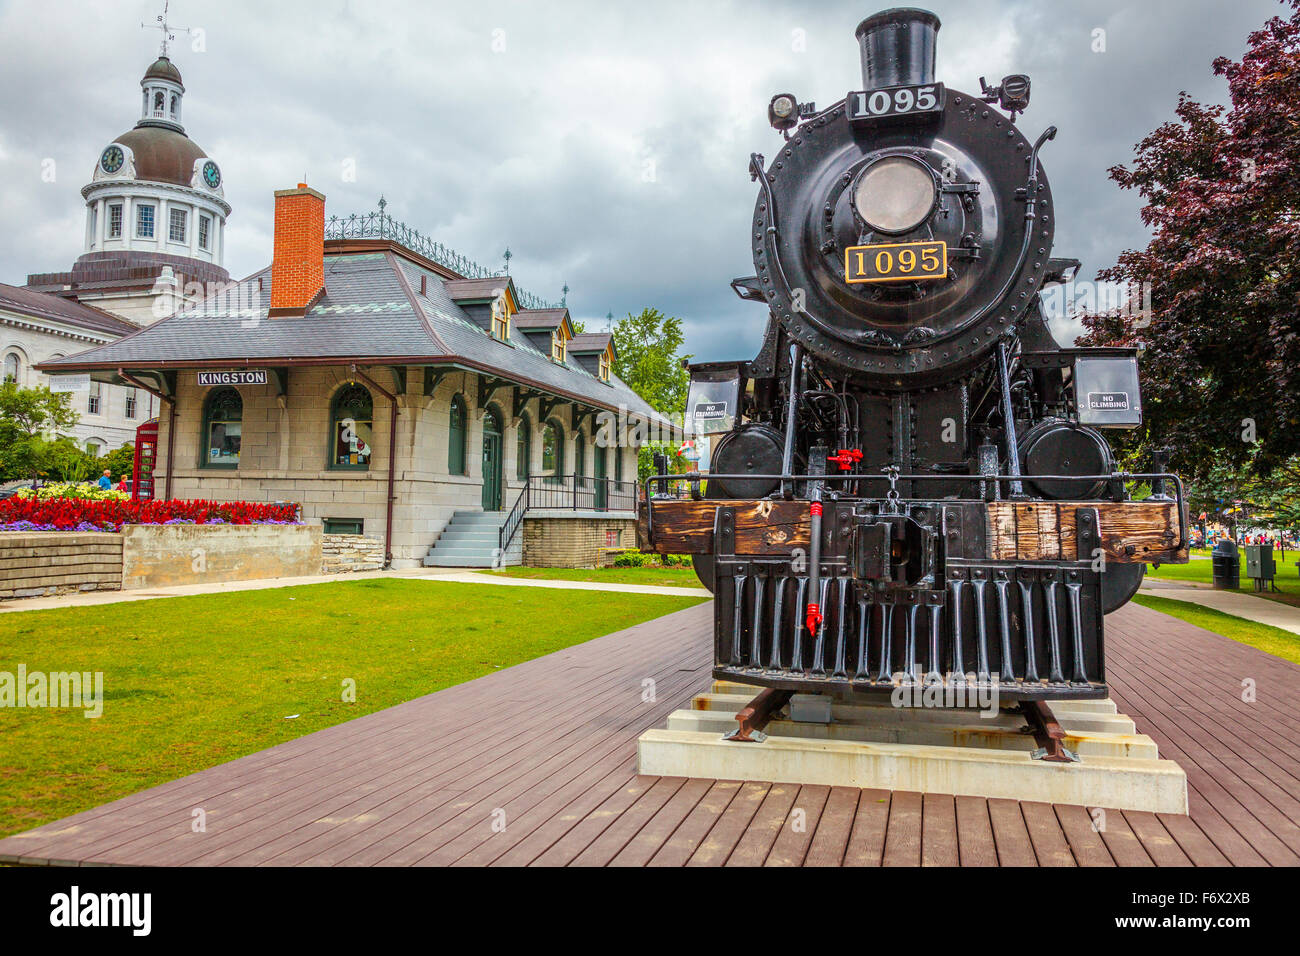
[[871, 744]]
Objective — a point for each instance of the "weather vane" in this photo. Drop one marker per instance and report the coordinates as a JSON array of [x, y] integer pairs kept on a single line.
[[508, 256], [160, 23], [564, 296], [609, 321]]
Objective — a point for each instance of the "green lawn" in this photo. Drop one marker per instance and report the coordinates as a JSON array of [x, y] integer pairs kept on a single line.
[[1201, 572], [190, 682], [662, 577], [1272, 640]]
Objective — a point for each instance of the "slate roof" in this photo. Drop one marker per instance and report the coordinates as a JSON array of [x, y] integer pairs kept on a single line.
[[42, 305], [489, 288], [590, 342], [372, 312], [539, 318]]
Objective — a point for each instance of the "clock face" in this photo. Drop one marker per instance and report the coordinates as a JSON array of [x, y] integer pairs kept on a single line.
[[211, 175], [112, 159]]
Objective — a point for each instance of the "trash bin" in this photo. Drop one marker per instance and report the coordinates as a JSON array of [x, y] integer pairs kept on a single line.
[[1226, 565]]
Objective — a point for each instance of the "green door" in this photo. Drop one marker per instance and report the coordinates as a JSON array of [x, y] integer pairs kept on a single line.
[[601, 484], [491, 462]]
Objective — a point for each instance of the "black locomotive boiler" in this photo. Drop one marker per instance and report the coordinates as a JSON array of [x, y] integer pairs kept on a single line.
[[910, 483]]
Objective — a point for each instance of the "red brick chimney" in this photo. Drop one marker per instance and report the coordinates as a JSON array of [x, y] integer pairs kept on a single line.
[[298, 262]]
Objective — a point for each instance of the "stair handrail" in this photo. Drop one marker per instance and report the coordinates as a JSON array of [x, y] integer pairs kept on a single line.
[[514, 519]]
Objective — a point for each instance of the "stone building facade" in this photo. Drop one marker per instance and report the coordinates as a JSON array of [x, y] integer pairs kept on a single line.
[[390, 395]]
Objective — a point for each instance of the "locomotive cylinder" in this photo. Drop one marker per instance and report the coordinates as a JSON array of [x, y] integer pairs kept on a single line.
[[898, 48]]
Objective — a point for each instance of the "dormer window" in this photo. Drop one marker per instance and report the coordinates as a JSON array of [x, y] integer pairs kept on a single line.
[[557, 346], [501, 318]]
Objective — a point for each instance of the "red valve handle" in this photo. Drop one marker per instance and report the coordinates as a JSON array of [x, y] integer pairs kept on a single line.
[[846, 457]]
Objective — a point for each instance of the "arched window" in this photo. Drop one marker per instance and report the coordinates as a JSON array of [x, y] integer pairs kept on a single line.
[[579, 460], [158, 101], [523, 448], [175, 100], [352, 418], [552, 450], [223, 415], [13, 367], [456, 437]]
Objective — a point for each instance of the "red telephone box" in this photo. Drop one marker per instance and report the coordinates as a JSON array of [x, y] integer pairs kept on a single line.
[[146, 453]]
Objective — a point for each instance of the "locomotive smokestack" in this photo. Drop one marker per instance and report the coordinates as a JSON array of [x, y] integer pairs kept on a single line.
[[898, 48]]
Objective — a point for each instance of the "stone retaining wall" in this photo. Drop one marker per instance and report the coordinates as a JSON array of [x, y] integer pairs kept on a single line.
[[554, 541], [39, 563], [341, 553], [161, 555]]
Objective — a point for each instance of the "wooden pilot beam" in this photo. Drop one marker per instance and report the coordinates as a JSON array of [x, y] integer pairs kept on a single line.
[[1131, 531]]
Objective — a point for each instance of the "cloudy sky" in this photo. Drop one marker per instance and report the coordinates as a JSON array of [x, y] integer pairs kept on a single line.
[[605, 143]]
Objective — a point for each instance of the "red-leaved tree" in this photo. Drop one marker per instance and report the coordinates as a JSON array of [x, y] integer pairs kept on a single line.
[[1221, 359]]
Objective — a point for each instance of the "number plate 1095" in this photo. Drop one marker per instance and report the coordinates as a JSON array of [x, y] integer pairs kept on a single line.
[[894, 101], [896, 262]]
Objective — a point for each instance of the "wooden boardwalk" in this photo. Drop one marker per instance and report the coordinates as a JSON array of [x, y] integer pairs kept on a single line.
[[536, 765]]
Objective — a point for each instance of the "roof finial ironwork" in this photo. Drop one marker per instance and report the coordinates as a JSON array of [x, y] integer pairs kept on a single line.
[[564, 296], [508, 256], [160, 23], [609, 321], [380, 225]]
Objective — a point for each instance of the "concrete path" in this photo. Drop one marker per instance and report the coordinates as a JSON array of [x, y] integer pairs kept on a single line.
[[1257, 609], [472, 577], [91, 598]]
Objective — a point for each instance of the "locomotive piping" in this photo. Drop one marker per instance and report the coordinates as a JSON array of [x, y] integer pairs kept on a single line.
[[791, 413], [1009, 421]]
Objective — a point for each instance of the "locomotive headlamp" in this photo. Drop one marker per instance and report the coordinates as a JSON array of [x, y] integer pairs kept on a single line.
[[895, 194], [783, 111]]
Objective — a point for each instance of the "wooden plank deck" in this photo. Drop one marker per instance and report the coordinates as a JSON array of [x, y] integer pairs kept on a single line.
[[535, 765]]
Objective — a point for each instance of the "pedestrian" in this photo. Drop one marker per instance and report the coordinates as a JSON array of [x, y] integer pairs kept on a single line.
[[106, 479]]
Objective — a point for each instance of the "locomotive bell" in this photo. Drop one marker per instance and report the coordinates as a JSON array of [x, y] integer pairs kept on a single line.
[[898, 48]]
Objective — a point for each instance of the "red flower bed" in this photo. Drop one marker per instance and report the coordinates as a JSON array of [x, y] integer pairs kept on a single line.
[[72, 515]]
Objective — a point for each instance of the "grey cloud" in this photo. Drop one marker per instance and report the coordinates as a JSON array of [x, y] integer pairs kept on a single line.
[[544, 146]]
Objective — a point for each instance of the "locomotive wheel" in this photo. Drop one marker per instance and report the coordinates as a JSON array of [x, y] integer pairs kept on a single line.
[[705, 569], [1119, 582]]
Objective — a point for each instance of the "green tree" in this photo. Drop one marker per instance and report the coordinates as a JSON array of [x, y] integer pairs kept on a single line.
[[32, 426], [649, 348], [120, 461], [649, 359]]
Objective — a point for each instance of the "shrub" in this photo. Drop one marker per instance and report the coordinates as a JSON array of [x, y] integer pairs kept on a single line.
[[73, 491], [76, 514], [632, 559]]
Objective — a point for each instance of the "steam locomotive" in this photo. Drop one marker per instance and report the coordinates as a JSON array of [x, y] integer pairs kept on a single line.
[[910, 483]]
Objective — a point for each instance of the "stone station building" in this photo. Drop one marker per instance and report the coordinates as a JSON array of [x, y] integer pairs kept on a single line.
[[368, 378]]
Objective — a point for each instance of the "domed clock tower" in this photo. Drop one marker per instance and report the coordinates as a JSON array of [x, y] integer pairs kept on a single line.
[[155, 213]]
